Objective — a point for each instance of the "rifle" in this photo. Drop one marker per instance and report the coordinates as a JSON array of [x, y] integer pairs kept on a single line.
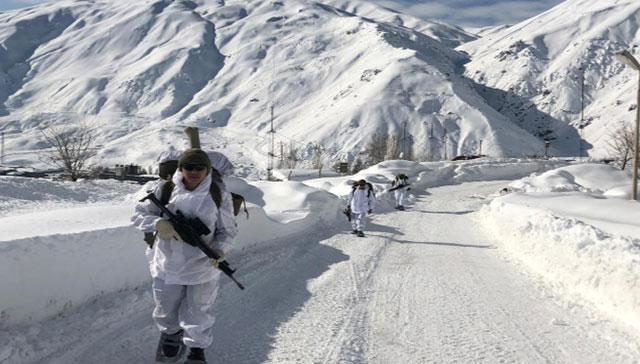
[[190, 231], [398, 187], [347, 211]]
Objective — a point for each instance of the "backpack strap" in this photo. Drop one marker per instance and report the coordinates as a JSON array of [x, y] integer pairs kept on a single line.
[[214, 189], [165, 192]]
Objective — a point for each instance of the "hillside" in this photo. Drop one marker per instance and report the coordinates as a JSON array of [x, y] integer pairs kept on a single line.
[[335, 73], [532, 71]]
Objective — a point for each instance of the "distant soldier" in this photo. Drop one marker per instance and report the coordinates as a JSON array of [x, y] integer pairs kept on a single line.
[[168, 163], [400, 186], [361, 201]]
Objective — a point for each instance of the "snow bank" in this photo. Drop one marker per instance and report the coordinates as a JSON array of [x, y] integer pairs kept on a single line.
[[20, 194], [584, 244], [45, 275], [302, 174], [51, 261], [283, 209], [589, 177], [433, 174]]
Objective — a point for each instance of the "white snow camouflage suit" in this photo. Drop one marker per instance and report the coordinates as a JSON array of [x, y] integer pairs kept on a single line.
[[184, 281], [401, 193], [360, 201]]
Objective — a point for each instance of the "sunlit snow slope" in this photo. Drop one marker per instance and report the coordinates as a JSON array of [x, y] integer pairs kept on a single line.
[[533, 71], [335, 73]]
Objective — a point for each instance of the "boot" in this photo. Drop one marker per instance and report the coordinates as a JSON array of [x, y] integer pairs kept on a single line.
[[354, 231], [401, 208], [196, 356], [360, 234], [170, 347]]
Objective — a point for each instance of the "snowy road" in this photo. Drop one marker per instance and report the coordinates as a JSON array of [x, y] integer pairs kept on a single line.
[[424, 286]]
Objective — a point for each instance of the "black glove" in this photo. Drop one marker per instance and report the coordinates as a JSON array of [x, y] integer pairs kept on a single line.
[[369, 211]]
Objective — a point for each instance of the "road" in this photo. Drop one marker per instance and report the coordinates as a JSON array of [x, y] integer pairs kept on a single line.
[[424, 286]]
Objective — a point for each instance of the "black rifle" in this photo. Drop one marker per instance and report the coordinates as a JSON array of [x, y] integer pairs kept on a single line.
[[399, 187], [190, 231]]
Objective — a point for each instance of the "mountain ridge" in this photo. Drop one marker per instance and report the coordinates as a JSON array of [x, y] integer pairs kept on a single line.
[[334, 72]]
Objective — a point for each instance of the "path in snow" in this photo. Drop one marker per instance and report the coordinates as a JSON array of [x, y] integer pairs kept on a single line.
[[423, 286]]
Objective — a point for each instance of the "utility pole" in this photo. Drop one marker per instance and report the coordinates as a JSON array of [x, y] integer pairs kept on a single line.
[[2, 148], [581, 126], [404, 139], [635, 142], [272, 133], [547, 143], [444, 142], [428, 141], [281, 155]]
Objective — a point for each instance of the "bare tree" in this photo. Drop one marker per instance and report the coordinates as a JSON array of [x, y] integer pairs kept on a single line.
[[71, 147], [377, 148], [292, 156], [357, 166], [620, 144], [393, 147], [318, 158]]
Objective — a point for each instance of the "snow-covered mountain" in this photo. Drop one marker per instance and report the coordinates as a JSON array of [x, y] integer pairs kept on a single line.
[[335, 72], [532, 71]]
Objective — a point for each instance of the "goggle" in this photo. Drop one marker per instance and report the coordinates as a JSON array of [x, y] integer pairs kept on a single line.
[[194, 167]]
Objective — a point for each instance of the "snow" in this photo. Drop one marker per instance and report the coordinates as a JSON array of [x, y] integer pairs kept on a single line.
[[93, 246], [560, 290], [532, 72], [432, 174], [334, 72], [497, 259], [565, 226], [26, 194]]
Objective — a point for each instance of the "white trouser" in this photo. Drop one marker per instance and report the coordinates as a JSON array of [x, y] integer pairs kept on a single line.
[[358, 220], [400, 195], [186, 307]]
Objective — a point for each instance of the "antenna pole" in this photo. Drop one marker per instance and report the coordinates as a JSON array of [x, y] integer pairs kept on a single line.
[[272, 133]]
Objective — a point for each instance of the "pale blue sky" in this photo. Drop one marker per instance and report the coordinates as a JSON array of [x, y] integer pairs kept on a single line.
[[459, 12], [472, 12]]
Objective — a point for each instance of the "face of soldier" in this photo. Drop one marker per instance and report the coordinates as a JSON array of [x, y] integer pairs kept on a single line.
[[193, 175]]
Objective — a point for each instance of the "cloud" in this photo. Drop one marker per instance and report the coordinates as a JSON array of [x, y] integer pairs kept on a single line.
[[471, 12]]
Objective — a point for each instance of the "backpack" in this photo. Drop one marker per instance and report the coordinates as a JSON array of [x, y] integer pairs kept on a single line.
[[369, 190], [216, 194], [402, 179]]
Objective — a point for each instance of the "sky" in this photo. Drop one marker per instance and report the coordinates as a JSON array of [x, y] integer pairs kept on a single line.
[[467, 13], [471, 13]]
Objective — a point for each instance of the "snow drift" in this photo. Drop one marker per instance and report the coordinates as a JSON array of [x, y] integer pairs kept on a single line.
[[51, 261], [567, 229]]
